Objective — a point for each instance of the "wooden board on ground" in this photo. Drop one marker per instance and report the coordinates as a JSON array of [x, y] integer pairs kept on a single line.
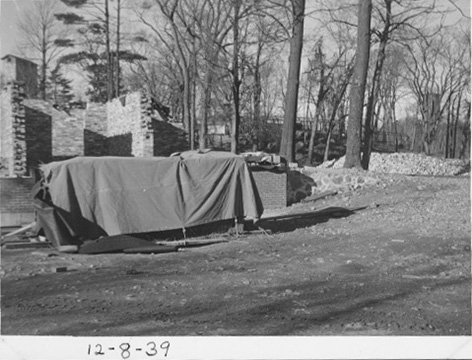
[[152, 249]]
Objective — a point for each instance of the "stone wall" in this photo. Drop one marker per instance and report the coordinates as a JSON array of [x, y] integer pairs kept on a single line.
[[272, 187], [125, 126], [338, 179], [309, 181], [299, 186], [13, 137], [143, 144], [6, 134], [129, 118]]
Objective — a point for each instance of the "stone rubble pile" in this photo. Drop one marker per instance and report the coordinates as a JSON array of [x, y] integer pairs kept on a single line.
[[409, 164]]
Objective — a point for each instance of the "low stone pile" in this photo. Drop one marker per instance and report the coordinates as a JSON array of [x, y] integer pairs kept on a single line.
[[409, 164]]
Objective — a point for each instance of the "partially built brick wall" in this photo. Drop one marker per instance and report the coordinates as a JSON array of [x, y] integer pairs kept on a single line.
[[16, 205], [95, 130], [34, 132], [168, 138], [38, 136], [130, 126], [52, 134], [272, 187]]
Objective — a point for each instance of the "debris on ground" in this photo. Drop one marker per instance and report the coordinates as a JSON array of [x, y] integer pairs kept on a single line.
[[408, 164]]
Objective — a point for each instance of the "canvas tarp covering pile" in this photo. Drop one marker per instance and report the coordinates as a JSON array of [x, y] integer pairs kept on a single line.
[[123, 195]]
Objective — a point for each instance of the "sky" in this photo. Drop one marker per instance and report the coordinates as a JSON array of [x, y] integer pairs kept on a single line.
[[10, 10]]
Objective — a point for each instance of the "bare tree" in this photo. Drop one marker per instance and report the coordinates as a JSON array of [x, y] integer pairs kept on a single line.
[[436, 75], [339, 89], [236, 80], [178, 35], [39, 31], [401, 22], [213, 30], [263, 33], [356, 96], [332, 76], [287, 145]]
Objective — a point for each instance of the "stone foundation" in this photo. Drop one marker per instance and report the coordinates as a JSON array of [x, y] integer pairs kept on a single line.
[[310, 181]]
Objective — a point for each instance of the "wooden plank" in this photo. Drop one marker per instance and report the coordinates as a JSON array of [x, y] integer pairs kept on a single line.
[[28, 245], [151, 249], [19, 231]]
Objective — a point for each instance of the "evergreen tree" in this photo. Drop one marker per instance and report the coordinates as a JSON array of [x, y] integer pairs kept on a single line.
[[60, 88], [100, 64]]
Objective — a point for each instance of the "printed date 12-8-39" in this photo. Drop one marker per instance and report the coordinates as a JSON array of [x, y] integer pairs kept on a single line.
[[126, 350]]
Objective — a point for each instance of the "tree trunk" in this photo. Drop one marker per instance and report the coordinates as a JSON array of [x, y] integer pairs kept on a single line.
[[456, 122], [43, 65], [328, 139], [319, 100], [466, 135], [257, 101], [338, 98], [193, 115], [206, 99], [186, 98], [287, 145], [413, 139], [117, 56], [236, 81], [448, 126], [353, 145], [108, 53], [311, 145], [368, 132]]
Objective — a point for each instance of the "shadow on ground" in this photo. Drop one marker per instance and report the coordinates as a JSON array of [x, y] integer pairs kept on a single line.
[[291, 222]]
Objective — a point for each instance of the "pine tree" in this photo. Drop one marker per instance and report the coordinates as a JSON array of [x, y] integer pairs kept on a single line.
[[59, 88], [100, 63]]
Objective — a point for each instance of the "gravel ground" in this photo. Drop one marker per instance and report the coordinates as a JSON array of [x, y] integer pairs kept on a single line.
[[409, 164]]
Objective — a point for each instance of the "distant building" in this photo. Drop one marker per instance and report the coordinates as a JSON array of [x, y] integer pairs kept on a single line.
[[21, 70]]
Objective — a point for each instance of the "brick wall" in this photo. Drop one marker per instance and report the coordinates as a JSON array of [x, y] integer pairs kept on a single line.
[[16, 205], [67, 138], [96, 129], [272, 187], [119, 145], [38, 137], [168, 138]]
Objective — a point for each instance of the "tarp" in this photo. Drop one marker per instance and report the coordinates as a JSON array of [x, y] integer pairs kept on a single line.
[[125, 195]]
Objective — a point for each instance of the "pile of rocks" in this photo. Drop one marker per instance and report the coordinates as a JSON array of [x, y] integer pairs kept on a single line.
[[409, 164]]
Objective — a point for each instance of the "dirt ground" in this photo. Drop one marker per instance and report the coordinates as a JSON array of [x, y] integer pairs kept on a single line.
[[400, 265]]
